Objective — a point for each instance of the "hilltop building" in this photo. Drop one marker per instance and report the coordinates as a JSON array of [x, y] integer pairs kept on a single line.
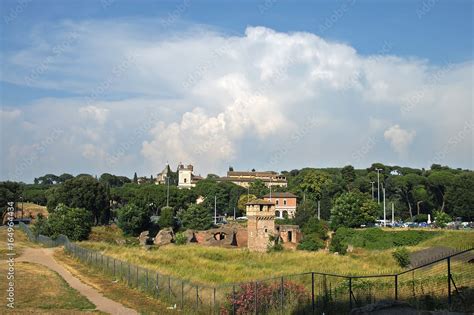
[[244, 179], [164, 176], [186, 178], [285, 204]]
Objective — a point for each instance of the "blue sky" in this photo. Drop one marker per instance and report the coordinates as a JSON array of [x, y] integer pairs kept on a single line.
[[417, 51]]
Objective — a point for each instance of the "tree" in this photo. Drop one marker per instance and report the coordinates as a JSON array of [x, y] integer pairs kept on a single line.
[[196, 217], [438, 182], [64, 177], [258, 188], [133, 219], [348, 175], [460, 196], [313, 182], [75, 223], [166, 218], [135, 178], [353, 209], [243, 200], [82, 192], [112, 180], [404, 185]]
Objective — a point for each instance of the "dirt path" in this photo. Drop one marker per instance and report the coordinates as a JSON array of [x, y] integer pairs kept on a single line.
[[44, 256]]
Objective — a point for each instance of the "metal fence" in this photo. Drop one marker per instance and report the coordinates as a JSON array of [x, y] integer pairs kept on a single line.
[[446, 283]]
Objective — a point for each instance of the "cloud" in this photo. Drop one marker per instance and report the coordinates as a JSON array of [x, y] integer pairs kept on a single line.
[[8, 115], [399, 138], [199, 96], [95, 113]]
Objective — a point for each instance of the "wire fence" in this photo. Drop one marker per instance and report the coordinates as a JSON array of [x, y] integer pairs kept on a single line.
[[446, 283]]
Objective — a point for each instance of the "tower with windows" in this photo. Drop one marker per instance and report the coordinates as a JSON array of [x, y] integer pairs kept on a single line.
[[261, 224]]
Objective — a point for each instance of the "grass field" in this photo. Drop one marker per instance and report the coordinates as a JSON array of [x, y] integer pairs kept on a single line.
[[213, 266], [40, 290]]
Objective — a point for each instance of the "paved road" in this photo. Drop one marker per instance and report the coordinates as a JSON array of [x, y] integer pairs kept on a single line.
[[44, 256]]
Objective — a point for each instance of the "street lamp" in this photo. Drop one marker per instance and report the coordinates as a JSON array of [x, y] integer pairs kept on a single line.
[[378, 184]]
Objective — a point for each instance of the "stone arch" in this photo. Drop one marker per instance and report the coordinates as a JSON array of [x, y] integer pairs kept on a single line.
[[277, 214]]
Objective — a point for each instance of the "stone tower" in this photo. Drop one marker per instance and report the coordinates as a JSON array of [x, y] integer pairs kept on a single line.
[[185, 176], [260, 225]]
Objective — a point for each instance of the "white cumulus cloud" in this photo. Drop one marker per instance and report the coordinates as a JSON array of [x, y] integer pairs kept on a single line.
[[399, 138]]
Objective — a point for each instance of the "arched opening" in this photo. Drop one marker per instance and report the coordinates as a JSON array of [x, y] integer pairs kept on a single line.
[[234, 239], [285, 214], [277, 214], [219, 236], [290, 236]]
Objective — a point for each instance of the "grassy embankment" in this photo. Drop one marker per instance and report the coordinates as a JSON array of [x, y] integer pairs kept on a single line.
[[214, 266], [38, 290]]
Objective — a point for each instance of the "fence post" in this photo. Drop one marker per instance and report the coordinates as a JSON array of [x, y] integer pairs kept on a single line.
[[197, 298], [214, 301], [233, 300], [396, 287], [350, 293], [256, 297], [146, 283], [182, 294], [312, 291], [169, 288], [157, 285], [114, 267], [449, 280], [138, 287], [129, 282], [281, 295]]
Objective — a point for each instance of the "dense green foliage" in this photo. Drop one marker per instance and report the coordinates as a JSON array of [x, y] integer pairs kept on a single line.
[[133, 219], [441, 218], [353, 209], [196, 217], [75, 223], [180, 238], [402, 256], [375, 238], [166, 218], [82, 192]]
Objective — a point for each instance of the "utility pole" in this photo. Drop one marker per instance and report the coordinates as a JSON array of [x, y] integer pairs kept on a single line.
[[234, 213], [384, 211], [378, 184], [215, 210], [393, 214], [373, 196], [168, 192]]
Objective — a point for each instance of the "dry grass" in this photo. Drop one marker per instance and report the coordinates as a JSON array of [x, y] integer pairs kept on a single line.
[[214, 266], [110, 288], [42, 291], [21, 241]]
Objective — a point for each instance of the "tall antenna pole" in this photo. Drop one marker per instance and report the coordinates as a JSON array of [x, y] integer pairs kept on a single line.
[[319, 210], [373, 195], [215, 209], [384, 211]]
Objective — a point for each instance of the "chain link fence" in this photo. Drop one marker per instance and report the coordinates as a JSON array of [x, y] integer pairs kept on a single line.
[[446, 283]]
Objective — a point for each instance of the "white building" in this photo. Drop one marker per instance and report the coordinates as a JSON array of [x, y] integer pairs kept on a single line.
[[186, 178]]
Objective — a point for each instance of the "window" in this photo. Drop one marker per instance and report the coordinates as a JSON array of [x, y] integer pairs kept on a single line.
[[284, 202], [276, 202], [185, 180]]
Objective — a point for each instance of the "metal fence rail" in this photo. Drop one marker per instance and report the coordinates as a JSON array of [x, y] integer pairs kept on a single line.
[[446, 283]]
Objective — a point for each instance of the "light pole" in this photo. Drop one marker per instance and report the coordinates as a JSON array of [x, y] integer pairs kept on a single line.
[[384, 211], [378, 184], [168, 192], [372, 190], [215, 210]]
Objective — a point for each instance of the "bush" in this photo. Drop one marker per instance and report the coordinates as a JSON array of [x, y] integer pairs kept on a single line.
[[402, 256], [442, 218], [339, 241], [180, 239], [41, 226], [311, 244], [133, 219], [75, 223], [420, 218], [274, 244]]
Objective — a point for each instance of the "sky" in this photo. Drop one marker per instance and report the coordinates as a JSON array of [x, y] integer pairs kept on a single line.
[[127, 86]]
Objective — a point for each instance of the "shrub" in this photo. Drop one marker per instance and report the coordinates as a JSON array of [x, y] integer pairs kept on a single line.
[[402, 256], [338, 241], [420, 218], [180, 238], [41, 226], [268, 297], [311, 244], [75, 223], [133, 219], [442, 218]]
